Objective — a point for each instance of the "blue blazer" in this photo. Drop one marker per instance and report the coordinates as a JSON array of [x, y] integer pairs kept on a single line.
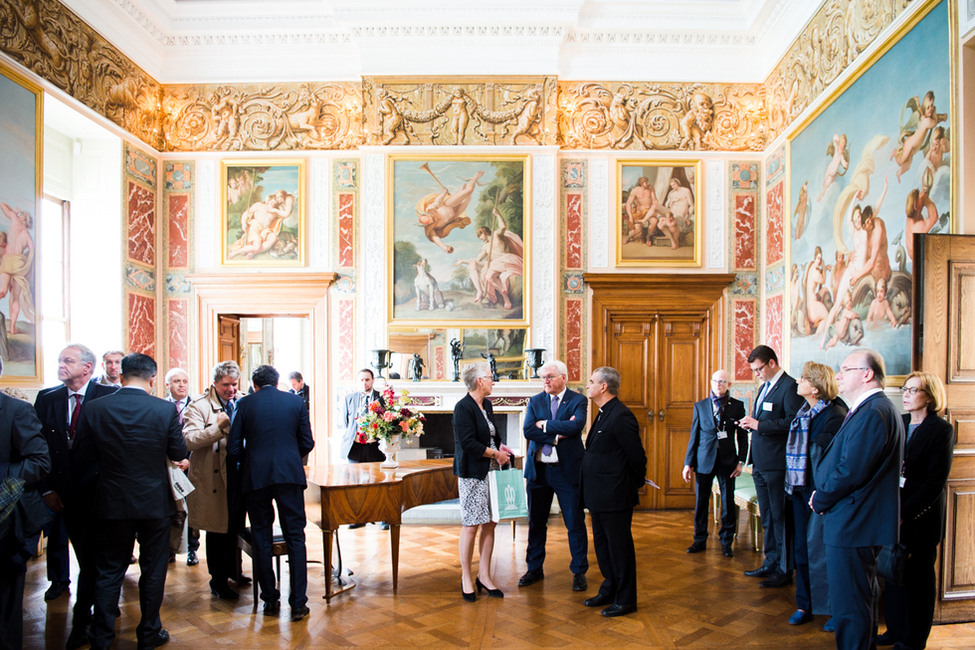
[[269, 436], [768, 442], [704, 450], [570, 449], [858, 478]]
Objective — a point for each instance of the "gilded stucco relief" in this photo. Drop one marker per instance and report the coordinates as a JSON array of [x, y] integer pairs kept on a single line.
[[656, 116], [262, 117], [452, 111], [46, 38]]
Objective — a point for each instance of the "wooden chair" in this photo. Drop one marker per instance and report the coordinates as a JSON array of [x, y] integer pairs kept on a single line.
[[278, 548]]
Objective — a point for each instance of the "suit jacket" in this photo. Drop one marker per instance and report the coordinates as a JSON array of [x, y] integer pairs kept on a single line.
[[304, 394], [51, 407], [705, 450], [23, 451], [822, 430], [128, 436], [768, 442], [615, 465], [858, 479], [927, 463], [270, 434], [349, 413], [471, 437], [570, 449]]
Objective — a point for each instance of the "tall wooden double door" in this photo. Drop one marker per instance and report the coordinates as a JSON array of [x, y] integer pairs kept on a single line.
[[665, 334]]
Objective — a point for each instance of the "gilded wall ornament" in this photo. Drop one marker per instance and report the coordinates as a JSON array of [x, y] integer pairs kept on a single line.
[[452, 111], [252, 117], [695, 117], [51, 41]]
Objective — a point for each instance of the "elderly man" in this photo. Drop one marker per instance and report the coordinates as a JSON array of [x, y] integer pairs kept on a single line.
[[300, 388], [112, 365], [613, 471], [178, 392], [215, 505], [711, 453], [858, 493], [553, 426]]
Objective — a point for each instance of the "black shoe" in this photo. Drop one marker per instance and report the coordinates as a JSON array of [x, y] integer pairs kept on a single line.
[[354, 526], [272, 607], [78, 637], [579, 582], [160, 639], [469, 597], [172, 559], [531, 577], [619, 610], [223, 590], [697, 547], [243, 580], [55, 590], [760, 572], [777, 579], [885, 639], [727, 552], [192, 559], [300, 613], [598, 601], [493, 593]]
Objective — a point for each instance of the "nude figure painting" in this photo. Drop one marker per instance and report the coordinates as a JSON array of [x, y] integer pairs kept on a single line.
[[263, 208]]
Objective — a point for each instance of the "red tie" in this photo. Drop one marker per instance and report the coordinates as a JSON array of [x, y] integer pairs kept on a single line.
[[75, 414]]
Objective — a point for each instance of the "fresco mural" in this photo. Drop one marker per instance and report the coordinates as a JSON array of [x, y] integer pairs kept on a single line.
[[870, 171]]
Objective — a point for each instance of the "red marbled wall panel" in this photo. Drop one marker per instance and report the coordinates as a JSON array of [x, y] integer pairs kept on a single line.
[[743, 315], [176, 310], [744, 256], [438, 363], [178, 240], [346, 328], [346, 229], [142, 324], [775, 228], [142, 225], [573, 338], [573, 230], [773, 323]]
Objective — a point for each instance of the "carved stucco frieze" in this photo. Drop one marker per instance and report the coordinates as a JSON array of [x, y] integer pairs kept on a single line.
[[452, 111], [661, 116], [262, 117]]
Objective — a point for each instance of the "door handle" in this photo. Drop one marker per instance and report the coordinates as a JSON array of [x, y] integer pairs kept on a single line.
[[661, 415]]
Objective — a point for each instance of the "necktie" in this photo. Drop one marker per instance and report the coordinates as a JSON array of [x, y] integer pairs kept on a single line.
[[761, 396], [229, 410], [75, 414], [547, 449]]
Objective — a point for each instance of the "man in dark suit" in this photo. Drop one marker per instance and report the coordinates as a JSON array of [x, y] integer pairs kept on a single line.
[[775, 407], [614, 469], [553, 426], [123, 443], [711, 453], [24, 456], [300, 388], [59, 409], [269, 435], [858, 492]]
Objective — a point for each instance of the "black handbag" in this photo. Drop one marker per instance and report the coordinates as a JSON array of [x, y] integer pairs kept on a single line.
[[891, 561]]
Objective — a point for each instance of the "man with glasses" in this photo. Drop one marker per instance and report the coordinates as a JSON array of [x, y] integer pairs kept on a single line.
[[858, 493], [711, 454], [553, 426], [775, 407]]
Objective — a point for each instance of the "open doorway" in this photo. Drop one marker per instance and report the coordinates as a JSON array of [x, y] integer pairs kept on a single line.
[[280, 341]]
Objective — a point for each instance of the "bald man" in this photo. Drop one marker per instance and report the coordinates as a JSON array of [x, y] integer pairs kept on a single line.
[[711, 452]]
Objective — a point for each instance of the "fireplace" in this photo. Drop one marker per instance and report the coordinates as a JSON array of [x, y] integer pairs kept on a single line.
[[438, 431]]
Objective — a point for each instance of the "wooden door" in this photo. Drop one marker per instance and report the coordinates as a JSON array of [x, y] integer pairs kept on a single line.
[[228, 334], [944, 323], [664, 334]]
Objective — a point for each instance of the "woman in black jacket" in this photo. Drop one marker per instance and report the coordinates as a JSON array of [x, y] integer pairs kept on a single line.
[[477, 450], [927, 463]]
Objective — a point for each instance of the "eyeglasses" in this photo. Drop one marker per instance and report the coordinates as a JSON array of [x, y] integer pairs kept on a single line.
[[719, 382], [912, 391], [761, 367], [549, 377]]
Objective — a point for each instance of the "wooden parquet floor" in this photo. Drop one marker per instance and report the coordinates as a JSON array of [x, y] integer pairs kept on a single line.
[[685, 601]]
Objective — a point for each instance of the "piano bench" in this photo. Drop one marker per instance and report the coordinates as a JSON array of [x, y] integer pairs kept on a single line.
[[278, 548]]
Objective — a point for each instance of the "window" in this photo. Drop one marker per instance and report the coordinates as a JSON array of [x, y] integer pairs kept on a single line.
[[52, 256]]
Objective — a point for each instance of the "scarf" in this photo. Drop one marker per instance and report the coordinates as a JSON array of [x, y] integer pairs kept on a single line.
[[797, 447]]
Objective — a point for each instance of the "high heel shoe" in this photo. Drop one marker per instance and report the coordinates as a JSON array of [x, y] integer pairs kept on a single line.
[[493, 593], [469, 597]]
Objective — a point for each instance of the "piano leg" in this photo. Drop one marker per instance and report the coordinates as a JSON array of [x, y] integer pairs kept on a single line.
[[394, 547]]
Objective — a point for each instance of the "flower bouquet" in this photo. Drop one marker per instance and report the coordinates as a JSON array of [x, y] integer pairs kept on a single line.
[[390, 421]]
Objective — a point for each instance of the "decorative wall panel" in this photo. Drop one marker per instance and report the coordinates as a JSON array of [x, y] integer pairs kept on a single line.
[[178, 189], [774, 224], [744, 337], [139, 227], [177, 331], [773, 324], [574, 189]]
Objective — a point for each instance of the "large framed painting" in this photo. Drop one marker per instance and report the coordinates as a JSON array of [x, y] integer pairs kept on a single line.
[[262, 222], [867, 172], [659, 213], [459, 244], [21, 148]]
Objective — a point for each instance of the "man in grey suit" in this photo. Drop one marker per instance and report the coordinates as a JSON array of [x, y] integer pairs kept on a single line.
[[711, 454], [354, 405]]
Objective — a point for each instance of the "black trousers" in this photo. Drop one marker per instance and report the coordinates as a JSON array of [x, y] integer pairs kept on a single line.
[[853, 594], [115, 540], [11, 607], [702, 501], [909, 608], [613, 540], [776, 515], [291, 508]]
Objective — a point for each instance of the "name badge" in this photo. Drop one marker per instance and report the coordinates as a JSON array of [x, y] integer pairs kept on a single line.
[[722, 435], [766, 406], [903, 481]]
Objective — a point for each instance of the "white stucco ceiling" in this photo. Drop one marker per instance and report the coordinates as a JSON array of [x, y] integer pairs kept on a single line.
[[203, 41]]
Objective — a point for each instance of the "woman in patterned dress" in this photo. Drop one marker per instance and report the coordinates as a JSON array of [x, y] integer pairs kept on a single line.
[[477, 450]]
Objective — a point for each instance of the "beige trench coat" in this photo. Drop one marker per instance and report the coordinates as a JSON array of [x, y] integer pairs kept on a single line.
[[207, 503]]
